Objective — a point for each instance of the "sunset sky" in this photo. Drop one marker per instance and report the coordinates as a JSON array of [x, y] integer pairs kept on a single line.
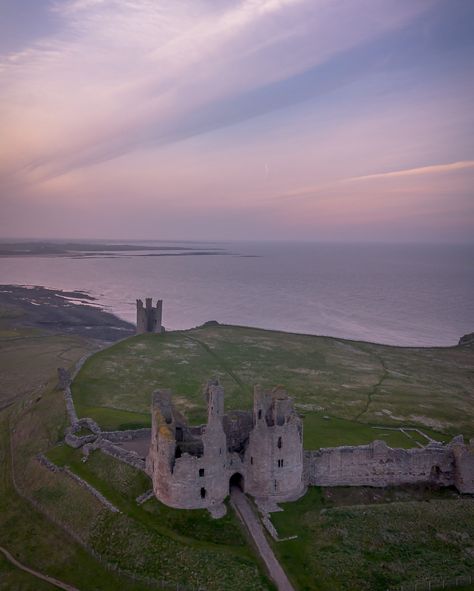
[[237, 119]]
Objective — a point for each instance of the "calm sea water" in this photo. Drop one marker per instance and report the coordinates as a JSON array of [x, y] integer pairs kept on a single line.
[[394, 294]]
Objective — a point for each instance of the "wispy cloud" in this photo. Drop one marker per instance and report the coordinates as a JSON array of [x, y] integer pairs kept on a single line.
[[432, 169], [172, 110], [122, 75], [329, 188]]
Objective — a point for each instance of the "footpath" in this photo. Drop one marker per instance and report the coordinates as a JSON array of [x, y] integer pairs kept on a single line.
[[245, 512], [36, 574]]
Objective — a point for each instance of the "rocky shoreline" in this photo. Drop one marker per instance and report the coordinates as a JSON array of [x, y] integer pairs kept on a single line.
[[60, 312]]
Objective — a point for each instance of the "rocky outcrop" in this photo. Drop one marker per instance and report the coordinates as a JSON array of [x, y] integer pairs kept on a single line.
[[467, 340]]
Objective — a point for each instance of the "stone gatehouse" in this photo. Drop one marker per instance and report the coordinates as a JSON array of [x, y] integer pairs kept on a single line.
[[260, 450]]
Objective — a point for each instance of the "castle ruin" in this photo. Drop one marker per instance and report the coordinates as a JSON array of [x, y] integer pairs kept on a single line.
[[261, 451], [148, 318]]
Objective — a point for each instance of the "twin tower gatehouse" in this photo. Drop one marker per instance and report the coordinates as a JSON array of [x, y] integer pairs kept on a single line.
[[260, 451]]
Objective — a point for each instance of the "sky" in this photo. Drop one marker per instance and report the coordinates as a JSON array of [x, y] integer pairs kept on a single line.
[[324, 120]]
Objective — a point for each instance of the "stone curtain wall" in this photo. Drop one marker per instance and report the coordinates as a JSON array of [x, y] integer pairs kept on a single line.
[[378, 465]]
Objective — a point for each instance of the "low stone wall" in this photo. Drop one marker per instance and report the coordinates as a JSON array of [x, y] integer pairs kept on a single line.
[[378, 465], [70, 408], [129, 457], [42, 459], [146, 496], [130, 435], [91, 489], [76, 442], [64, 383]]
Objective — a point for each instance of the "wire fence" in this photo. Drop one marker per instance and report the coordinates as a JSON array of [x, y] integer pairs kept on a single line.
[[437, 583]]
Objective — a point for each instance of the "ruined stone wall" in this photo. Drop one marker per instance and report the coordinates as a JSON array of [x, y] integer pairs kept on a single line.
[[378, 465], [129, 435], [129, 457]]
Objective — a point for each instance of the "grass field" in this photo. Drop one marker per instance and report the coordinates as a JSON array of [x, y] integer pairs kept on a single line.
[[357, 385], [366, 540]]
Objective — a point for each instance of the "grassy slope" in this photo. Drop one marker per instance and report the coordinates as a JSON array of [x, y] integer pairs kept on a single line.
[[375, 546], [211, 553], [131, 540], [355, 383]]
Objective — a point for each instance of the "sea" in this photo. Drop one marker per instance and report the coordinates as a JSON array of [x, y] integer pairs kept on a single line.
[[397, 294]]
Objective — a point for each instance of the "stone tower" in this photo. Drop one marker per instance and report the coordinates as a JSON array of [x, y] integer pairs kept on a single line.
[[275, 448], [149, 318]]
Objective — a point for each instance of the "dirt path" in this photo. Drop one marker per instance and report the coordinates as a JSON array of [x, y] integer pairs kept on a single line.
[[221, 362], [244, 511], [374, 388], [36, 574]]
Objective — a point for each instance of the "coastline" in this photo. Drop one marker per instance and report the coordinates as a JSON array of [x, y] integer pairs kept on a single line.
[[75, 312]]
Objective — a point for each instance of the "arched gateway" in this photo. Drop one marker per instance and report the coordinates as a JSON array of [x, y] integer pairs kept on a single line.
[[236, 480]]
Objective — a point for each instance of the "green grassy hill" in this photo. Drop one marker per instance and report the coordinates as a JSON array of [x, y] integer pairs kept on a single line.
[[342, 388]]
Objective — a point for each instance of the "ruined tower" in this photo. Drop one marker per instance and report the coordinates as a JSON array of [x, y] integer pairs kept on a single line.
[[275, 449], [149, 318]]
